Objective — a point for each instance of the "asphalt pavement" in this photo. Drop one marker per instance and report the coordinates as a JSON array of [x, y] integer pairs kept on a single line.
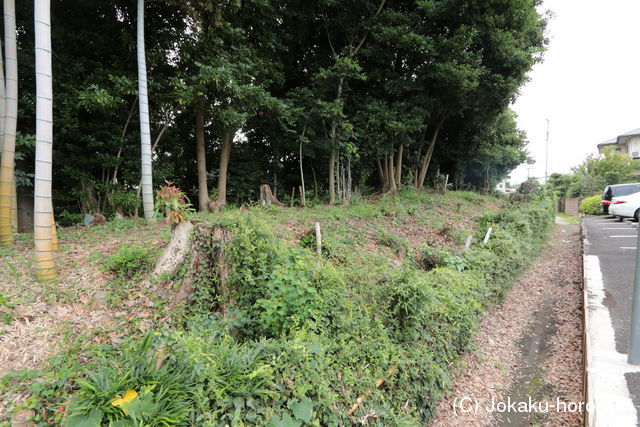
[[612, 244]]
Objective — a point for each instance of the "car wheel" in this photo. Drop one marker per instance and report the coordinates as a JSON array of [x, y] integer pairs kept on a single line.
[[637, 215]]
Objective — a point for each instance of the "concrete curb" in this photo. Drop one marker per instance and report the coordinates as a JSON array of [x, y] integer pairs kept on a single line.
[[587, 392]]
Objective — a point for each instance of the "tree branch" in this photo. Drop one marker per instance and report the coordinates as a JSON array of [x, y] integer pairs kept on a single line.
[[357, 49]]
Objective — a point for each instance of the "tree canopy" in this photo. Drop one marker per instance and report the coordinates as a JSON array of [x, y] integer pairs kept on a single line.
[[371, 95]]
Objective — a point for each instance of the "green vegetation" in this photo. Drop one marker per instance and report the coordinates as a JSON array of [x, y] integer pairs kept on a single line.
[[267, 88], [591, 205], [594, 174], [571, 219], [129, 262], [288, 339]]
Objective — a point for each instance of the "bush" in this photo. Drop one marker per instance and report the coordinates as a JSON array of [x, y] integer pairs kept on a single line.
[[391, 240], [181, 379], [129, 262], [429, 258], [297, 340], [591, 206], [67, 219]]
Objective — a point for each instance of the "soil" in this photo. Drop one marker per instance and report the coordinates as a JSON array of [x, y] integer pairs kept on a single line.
[[528, 347]]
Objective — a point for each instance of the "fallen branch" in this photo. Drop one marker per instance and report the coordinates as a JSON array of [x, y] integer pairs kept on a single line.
[[367, 393]]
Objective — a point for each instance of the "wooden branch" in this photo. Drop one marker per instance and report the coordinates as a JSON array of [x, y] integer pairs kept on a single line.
[[114, 179], [367, 393], [326, 28], [357, 49]]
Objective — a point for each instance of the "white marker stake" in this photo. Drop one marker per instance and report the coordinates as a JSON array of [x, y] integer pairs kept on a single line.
[[486, 236]]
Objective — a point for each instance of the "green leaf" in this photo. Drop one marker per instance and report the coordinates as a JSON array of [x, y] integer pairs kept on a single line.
[[303, 409], [286, 421], [93, 419]]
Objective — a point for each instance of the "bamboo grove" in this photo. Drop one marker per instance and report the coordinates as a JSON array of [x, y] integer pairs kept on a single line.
[[326, 98]]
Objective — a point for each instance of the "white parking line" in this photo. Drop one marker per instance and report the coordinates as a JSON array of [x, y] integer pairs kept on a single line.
[[625, 236], [628, 247], [615, 228]]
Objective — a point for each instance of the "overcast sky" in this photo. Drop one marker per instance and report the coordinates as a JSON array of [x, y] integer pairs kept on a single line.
[[588, 85]]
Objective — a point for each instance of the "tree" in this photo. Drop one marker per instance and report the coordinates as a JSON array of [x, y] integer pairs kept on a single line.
[[43, 208], [596, 172], [145, 132], [7, 175]]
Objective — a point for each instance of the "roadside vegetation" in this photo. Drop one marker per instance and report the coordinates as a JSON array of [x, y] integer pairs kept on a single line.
[[591, 176], [366, 333], [591, 205]]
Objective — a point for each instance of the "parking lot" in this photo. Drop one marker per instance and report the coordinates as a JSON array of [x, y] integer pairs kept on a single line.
[[610, 249]]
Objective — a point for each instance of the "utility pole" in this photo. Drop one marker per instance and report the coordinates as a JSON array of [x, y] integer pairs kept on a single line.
[[634, 334], [546, 161]]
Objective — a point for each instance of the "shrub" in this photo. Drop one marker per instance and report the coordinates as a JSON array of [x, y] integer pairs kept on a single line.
[[297, 343], [125, 200], [591, 206], [173, 203], [429, 258], [391, 240], [198, 378], [130, 262], [67, 219]]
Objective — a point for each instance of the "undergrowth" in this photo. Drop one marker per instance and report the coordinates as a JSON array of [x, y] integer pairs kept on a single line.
[[287, 339]]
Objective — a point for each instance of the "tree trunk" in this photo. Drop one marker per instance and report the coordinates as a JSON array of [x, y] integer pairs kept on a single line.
[[391, 176], [334, 146], [203, 192], [385, 175], [145, 128], [338, 180], [381, 178], [332, 178], [399, 164], [267, 197], [315, 183], [43, 208], [349, 183], [11, 116], [14, 204], [54, 231], [302, 189], [427, 157], [225, 153], [114, 179]]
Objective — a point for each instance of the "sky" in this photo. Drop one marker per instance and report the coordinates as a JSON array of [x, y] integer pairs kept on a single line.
[[588, 84]]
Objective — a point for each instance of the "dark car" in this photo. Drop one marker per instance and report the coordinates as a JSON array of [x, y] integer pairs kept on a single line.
[[617, 190]]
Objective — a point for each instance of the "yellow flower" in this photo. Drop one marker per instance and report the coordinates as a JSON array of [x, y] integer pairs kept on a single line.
[[123, 402]]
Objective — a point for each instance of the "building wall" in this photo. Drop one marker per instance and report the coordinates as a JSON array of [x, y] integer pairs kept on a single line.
[[634, 145], [569, 205]]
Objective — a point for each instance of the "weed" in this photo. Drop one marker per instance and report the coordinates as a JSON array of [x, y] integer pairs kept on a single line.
[[391, 240], [130, 263]]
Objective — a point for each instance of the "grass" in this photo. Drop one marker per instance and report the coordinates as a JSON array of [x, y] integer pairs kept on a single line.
[[567, 218], [364, 239]]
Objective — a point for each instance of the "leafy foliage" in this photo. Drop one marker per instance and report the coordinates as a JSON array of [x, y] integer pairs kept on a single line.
[[173, 203], [591, 205], [130, 262]]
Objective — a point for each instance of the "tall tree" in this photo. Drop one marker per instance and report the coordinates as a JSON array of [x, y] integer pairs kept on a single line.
[[145, 132], [7, 175], [43, 208]]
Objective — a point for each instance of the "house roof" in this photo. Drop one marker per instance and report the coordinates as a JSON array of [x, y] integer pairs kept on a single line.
[[615, 140], [611, 141], [631, 133]]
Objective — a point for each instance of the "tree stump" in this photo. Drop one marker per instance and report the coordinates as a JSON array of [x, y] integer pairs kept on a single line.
[[23, 418], [267, 197]]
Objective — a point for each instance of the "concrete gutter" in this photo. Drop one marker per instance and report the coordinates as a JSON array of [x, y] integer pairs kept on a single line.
[[606, 394]]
